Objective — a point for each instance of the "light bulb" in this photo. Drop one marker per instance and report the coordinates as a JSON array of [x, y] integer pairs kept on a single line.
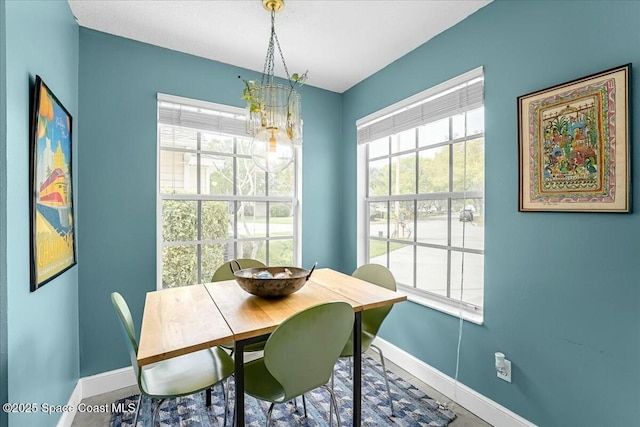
[[272, 150]]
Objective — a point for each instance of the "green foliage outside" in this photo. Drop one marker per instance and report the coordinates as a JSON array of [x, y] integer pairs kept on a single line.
[[379, 247], [180, 263], [180, 218], [280, 210], [280, 253], [433, 172], [433, 175], [253, 250]]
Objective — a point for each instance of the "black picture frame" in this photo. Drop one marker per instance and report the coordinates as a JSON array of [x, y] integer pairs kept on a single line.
[[574, 145], [52, 220]]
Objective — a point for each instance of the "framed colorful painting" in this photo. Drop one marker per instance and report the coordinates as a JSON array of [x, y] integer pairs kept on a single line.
[[574, 145], [53, 247]]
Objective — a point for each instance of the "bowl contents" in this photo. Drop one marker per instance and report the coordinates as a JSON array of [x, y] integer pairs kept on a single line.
[[262, 275]]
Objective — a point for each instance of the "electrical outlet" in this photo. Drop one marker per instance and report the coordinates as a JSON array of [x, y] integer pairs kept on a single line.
[[505, 373]]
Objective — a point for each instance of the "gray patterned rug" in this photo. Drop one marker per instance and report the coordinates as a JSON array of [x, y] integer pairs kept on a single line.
[[412, 406]]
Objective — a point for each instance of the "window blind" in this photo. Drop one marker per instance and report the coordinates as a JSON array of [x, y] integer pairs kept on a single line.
[[455, 96], [201, 115]]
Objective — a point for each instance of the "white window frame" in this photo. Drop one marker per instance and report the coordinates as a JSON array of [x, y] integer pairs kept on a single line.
[[233, 129], [401, 116]]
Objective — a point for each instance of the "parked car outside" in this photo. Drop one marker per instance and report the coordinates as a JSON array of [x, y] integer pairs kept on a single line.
[[466, 215]]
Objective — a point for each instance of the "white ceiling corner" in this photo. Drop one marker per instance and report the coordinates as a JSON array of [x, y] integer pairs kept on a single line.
[[340, 42]]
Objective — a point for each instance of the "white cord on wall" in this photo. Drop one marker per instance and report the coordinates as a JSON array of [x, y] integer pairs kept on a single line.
[[451, 404]]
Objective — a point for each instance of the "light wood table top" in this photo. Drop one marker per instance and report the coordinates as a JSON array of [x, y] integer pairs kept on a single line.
[[181, 320], [366, 294], [178, 321], [251, 316]]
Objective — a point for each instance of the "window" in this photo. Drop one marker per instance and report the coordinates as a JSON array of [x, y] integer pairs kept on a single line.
[[421, 175], [214, 204]]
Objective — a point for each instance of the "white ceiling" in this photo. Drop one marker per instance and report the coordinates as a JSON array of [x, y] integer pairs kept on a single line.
[[340, 42]]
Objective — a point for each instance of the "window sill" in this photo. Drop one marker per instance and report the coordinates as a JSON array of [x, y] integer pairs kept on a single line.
[[451, 308]]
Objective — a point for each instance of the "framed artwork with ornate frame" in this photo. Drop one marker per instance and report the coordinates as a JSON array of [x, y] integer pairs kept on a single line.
[[53, 247], [574, 145]]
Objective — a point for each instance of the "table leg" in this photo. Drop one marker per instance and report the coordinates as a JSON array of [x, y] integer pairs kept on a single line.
[[357, 369], [238, 372]]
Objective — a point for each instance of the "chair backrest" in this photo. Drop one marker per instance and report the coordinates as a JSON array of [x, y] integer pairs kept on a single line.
[[301, 352], [381, 276], [128, 330], [224, 271]]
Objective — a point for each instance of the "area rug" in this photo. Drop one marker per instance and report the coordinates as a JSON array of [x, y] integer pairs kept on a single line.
[[412, 407]]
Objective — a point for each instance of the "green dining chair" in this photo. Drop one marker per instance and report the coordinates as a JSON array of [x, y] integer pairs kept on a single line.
[[372, 319], [224, 272], [299, 356], [178, 376]]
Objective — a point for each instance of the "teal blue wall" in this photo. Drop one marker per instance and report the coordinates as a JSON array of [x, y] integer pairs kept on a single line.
[[561, 289], [562, 298], [119, 82], [42, 341], [3, 214]]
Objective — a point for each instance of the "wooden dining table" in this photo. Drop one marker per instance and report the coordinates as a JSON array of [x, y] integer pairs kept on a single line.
[[178, 321]]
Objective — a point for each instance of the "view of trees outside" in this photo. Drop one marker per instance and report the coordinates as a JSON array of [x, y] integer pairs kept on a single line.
[[217, 205], [180, 224], [437, 172]]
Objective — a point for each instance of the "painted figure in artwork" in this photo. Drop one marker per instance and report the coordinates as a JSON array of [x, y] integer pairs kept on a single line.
[[568, 158]]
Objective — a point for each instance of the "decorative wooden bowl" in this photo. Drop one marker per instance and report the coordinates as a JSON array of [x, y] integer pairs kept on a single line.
[[272, 287]]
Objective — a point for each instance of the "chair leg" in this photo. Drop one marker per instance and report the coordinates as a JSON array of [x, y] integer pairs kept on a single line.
[[226, 403], [155, 411], [333, 406], [330, 403], [269, 414], [386, 380], [135, 419], [208, 397], [304, 405]]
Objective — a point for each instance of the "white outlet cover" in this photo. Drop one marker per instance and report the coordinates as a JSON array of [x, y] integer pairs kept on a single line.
[[506, 376]]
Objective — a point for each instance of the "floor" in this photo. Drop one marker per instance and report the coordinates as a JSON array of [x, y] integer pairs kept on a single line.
[[464, 418]]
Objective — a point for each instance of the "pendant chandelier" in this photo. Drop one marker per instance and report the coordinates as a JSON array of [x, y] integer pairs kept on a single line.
[[274, 117]]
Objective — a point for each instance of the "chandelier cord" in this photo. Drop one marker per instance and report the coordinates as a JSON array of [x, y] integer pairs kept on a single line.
[[269, 62], [267, 71]]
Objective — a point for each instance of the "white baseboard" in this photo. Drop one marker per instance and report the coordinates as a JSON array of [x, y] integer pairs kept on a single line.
[[95, 385], [107, 381], [485, 408], [76, 397]]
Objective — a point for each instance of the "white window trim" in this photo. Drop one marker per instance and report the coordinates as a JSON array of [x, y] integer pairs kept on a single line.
[[236, 111], [447, 307], [444, 305]]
